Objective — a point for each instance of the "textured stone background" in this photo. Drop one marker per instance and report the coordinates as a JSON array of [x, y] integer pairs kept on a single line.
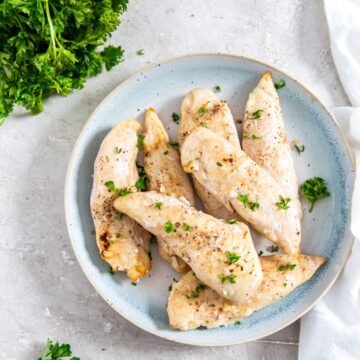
[[43, 292]]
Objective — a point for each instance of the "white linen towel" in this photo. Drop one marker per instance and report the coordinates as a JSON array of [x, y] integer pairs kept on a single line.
[[331, 331]]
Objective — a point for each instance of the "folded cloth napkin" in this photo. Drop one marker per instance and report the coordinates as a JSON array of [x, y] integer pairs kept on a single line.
[[331, 331]]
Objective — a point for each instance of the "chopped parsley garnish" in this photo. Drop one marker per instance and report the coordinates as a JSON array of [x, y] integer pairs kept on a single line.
[[274, 248], [219, 164], [246, 203], [202, 110], [237, 323], [282, 267], [175, 117], [283, 203], [57, 351], [170, 287], [195, 294], [314, 190], [140, 52], [141, 183], [133, 283], [175, 145], [169, 227], [255, 137], [287, 266], [111, 271], [217, 88], [158, 204], [205, 124], [244, 199], [140, 141], [257, 114], [232, 221], [166, 152], [107, 158], [253, 205], [281, 83], [186, 227], [150, 256], [118, 235], [121, 192], [285, 284], [299, 148], [232, 257], [119, 216], [228, 278], [118, 150], [260, 253], [153, 239]]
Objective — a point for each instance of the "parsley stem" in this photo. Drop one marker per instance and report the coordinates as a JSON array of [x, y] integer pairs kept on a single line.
[[52, 31]]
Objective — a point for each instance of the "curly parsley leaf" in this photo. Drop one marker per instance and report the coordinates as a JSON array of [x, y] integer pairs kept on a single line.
[[57, 351], [314, 190]]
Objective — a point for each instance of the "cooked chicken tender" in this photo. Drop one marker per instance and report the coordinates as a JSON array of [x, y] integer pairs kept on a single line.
[[121, 241], [265, 139], [201, 107], [222, 255], [282, 274], [166, 175], [240, 184]]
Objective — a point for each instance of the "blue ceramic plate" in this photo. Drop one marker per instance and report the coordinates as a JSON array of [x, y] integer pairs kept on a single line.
[[326, 231]]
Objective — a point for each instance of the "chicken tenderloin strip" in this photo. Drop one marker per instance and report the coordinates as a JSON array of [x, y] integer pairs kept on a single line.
[[282, 274], [122, 242], [201, 107], [265, 139], [222, 255], [240, 184], [165, 174]]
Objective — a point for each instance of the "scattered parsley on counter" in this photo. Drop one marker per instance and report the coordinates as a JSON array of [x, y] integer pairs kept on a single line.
[[140, 52], [314, 190], [175, 118], [257, 114], [281, 83], [111, 271], [260, 253], [217, 88], [228, 278], [169, 227], [133, 283], [57, 351], [283, 203], [237, 323]]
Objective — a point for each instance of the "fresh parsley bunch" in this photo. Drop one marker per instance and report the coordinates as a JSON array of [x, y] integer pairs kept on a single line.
[[49, 46]]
